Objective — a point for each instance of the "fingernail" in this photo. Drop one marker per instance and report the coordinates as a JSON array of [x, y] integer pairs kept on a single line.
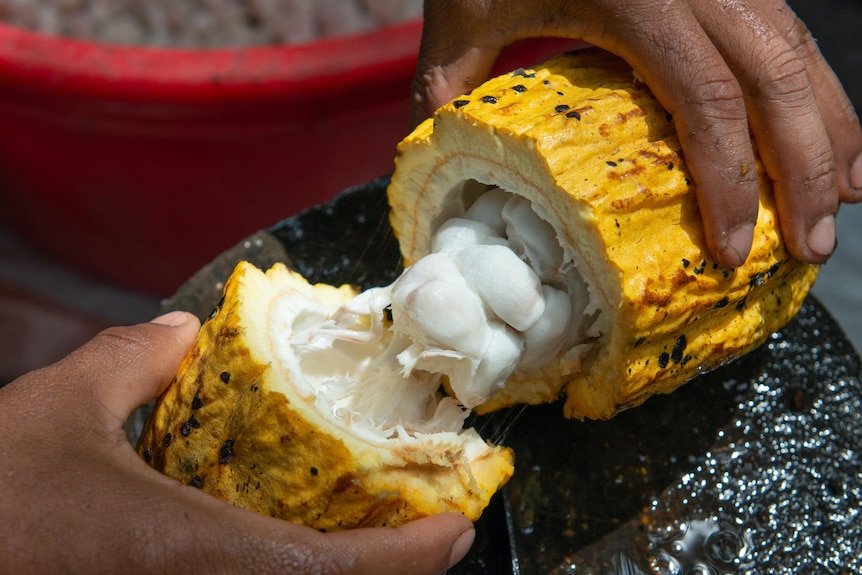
[[461, 546], [821, 237], [856, 175], [173, 319], [738, 245]]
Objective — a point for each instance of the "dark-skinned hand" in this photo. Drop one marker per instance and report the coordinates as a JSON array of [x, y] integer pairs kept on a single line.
[[727, 71], [76, 498]]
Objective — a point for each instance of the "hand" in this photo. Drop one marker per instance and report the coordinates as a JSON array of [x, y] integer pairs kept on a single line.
[[75, 497], [719, 67]]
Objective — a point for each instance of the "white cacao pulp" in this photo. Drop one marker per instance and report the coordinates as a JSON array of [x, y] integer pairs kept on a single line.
[[494, 295]]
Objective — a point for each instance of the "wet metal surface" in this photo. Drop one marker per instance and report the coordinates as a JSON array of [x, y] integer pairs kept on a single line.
[[753, 465], [759, 461]]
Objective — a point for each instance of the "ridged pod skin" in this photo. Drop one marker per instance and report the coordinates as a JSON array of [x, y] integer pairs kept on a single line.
[[599, 158], [233, 425]]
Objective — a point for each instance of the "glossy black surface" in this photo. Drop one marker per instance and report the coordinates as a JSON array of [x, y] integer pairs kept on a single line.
[[754, 465]]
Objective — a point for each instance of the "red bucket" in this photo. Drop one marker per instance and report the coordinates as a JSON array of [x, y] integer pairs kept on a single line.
[[140, 165]]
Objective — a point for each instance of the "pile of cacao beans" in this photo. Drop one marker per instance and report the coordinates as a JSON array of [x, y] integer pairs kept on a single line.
[[205, 23]]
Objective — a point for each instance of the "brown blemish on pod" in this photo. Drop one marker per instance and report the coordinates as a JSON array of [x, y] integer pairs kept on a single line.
[[523, 73], [226, 453]]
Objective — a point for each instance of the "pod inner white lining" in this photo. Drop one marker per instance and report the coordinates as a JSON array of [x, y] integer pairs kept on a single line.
[[495, 294]]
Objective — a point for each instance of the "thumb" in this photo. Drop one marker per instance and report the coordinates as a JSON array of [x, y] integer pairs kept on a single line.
[[456, 54], [124, 367], [425, 546]]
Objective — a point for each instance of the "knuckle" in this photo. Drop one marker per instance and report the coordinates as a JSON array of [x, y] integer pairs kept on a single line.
[[717, 94], [723, 93], [783, 76], [313, 557], [848, 111], [822, 176], [792, 29], [421, 98], [133, 340]]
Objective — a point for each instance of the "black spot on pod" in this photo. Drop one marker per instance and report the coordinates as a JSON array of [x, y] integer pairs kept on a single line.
[[561, 108], [148, 455], [519, 88], [678, 349], [225, 376], [773, 268], [196, 481], [197, 403], [663, 360], [168, 438], [314, 471], [722, 303], [489, 99], [574, 114], [225, 453], [460, 103]]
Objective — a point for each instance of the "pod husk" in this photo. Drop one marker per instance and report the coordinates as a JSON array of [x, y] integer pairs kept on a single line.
[[234, 425], [599, 158]]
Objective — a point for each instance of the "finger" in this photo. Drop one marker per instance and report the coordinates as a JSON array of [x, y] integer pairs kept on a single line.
[[124, 367], [183, 527], [679, 62], [786, 122], [456, 53], [427, 546], [229, 537], [461, 40], [836, 109]]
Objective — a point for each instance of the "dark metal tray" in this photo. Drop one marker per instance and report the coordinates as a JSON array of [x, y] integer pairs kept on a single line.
[[751, 468]]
